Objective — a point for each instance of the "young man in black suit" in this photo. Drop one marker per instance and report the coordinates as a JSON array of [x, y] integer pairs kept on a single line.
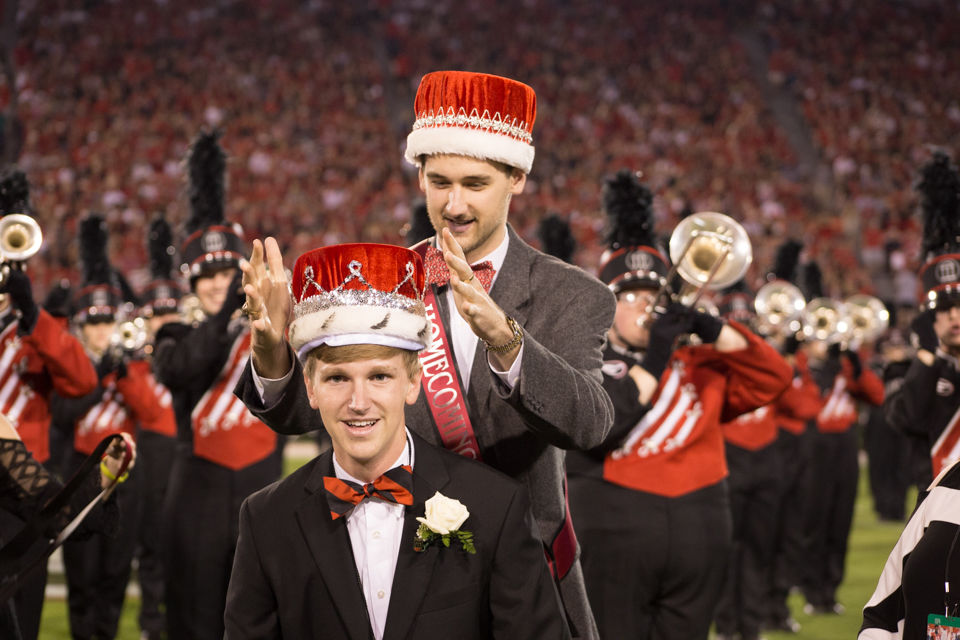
[[386, 535]]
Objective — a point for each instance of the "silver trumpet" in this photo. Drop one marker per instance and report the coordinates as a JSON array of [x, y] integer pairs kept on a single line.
[[130, 336], [709, 250], [20, 240], [779, 306]]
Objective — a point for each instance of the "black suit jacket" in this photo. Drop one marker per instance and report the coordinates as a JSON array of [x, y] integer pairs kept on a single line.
[[294, 575]]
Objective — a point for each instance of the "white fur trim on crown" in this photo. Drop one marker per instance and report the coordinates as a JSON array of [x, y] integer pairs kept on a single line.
[[343, 325], [474, 143]]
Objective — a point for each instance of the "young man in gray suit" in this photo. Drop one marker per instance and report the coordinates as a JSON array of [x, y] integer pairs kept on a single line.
[[386, 536], [534, 389]]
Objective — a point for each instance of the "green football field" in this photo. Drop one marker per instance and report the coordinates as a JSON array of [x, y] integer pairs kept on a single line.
[[870, 542]]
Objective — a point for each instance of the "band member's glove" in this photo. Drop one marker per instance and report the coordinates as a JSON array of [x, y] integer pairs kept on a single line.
[[922, 334], [18, 287], [109, 363], [706, 326], [791, 345], [675, 321], [854, 359]]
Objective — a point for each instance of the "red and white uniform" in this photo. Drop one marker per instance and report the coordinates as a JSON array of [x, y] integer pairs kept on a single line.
[[124, 403], [165, 422], [31, 367], [839, 409], [677, 447], [801, 401], [224, 430]]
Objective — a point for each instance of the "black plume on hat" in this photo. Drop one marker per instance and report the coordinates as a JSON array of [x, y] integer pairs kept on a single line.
[[93, 250], [206, 170], [419, 228], [786, 260], [812, 286], [629, 208], [939, 189], [212, 243], [100, 295], [556, 238], [160, 248], [14, 192]]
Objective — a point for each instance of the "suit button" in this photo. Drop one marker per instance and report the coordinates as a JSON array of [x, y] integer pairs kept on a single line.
[[380, 594]]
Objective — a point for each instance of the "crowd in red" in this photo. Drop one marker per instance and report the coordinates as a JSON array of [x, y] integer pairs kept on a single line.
[[315, 97]]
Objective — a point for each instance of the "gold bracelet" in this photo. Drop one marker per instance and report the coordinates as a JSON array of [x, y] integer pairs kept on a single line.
[[105, 470], [514, 342]]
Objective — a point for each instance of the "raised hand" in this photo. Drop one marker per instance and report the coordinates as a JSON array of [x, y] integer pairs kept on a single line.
[[486, 319], [269, 307]]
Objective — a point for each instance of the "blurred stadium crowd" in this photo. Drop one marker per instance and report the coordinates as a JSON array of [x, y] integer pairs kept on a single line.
[[800, 120]]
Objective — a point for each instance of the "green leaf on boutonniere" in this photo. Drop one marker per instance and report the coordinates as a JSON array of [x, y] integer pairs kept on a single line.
[[426, 538]]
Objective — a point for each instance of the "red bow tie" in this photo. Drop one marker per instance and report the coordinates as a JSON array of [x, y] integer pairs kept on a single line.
[[439, 274], [396, 485]]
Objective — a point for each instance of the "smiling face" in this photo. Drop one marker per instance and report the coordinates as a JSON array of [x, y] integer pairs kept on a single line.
[[471, 198], [361, 397], [212, 289], [96, 336]]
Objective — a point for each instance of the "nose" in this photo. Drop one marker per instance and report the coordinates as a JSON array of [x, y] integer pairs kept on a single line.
[[456, 205], [359, 402]]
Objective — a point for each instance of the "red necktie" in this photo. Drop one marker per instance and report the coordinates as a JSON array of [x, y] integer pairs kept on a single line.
[[439, 274], [396, 485]]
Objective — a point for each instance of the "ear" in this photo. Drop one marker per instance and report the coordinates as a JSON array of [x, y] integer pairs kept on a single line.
[[518, 180], [414, 391], [311, 394]]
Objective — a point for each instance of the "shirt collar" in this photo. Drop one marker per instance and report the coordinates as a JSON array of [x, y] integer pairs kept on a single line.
[[405, 457]]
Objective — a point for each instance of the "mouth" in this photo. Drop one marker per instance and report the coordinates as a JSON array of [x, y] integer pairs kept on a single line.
[[360, 427], [458, 225]]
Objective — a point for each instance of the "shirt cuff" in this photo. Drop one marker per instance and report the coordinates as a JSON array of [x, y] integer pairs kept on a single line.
[[270, 390], [509, 378]]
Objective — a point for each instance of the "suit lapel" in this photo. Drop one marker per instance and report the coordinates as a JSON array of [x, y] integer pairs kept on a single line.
[[414, 569], [329, 545]]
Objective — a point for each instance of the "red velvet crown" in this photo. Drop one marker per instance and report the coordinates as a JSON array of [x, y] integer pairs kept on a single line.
[[359, 294], [476, 115]]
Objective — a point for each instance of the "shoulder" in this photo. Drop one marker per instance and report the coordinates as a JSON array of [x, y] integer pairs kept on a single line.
[[469, 474], [282, 495]]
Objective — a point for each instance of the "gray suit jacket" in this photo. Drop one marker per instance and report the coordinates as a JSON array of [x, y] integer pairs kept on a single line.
[[559, 402]]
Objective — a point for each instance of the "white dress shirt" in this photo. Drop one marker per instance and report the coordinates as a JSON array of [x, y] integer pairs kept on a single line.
[[376, 527]]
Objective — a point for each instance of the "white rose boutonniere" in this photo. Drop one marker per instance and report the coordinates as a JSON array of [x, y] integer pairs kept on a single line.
[[441, 523]]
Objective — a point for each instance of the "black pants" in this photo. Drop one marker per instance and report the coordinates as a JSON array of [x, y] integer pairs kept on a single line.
[[754, 496], [654, 566], [832, 492], [201, 524], [888, 452], [793, 453], [98, 567], [154, 459]]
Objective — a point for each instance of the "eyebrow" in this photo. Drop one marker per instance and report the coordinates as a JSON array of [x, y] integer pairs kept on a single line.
[[433, 175]]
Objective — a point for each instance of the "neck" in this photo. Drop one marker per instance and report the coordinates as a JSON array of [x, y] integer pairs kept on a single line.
[[479, 253], [369, 470]]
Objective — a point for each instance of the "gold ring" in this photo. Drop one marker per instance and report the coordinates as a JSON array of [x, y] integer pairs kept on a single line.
[[253, 315], [473, 277]]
